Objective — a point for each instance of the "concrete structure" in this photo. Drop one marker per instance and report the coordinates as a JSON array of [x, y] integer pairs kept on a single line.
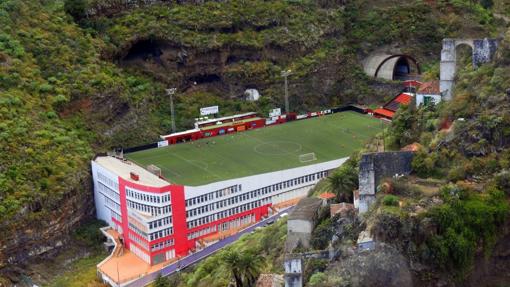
[[428, 93], [293, 272], [376, 166], [270, 280], [391, 66], [342, 209], [483, 52], [159, 221], [301, 222], [365, 241]]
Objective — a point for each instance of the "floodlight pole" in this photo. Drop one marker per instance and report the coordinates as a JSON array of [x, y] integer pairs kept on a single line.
[[170, 92], [285, 75]]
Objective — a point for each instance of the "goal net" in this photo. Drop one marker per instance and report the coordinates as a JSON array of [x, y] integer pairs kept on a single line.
[[154, 169], [307, 157]]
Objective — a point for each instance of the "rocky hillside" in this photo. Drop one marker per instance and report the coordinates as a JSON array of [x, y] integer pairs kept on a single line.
[[74, 83], [448, 223]]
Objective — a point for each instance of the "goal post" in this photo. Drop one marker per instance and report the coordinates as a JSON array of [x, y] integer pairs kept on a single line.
[[307, 157]]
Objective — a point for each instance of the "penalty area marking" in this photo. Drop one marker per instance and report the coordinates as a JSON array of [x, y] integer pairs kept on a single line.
[[277, 148]]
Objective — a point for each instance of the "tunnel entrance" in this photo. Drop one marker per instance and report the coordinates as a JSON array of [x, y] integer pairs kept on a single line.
[[402, 69], [398, 67]]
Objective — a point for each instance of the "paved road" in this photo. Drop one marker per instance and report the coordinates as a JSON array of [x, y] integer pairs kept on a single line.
[[199, 255]]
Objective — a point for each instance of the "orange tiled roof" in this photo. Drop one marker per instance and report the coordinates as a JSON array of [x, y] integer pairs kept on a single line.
[[326, 195], [404, 99], [431, 88], [384, 112]]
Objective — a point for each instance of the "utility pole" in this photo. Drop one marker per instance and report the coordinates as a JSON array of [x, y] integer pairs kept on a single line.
[[170, 92], [285, 75]]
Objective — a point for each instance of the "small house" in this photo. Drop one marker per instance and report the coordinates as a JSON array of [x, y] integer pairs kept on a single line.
[[428, 94]]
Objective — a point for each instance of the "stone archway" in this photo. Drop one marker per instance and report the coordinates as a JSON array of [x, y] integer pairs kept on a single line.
[[391, 66], [483, 51]]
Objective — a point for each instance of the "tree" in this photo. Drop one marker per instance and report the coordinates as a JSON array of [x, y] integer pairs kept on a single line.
[[244, 266], [343, 182], [161, 281]]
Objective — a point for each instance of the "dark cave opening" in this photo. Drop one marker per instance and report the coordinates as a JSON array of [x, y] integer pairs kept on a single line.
[[145, 49], [204, 79]]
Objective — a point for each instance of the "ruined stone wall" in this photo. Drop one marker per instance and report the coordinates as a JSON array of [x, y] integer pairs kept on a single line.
[[376, 166]]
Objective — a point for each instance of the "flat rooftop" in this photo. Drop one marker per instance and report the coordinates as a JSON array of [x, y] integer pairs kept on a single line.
[[261, 150], [124, 168]]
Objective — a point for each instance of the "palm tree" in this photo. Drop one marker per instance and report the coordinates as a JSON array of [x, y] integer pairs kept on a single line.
[[244, 266], [231, 259], [251, 264], [342, 183]]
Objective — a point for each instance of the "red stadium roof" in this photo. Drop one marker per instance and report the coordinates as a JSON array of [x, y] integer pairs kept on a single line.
[[384, 113], [403, 99]]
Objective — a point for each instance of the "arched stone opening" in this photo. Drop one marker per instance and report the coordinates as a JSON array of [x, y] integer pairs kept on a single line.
[[397, 67], [463, 56], [482, 51]]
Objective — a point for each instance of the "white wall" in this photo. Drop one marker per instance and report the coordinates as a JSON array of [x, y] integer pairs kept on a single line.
[[420, 98], [254, 182], [102, 211], [299, 226]]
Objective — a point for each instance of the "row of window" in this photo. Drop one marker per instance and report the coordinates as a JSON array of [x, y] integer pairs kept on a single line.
[[138, 252], [238, 222], [140, 242], [162, 245], [202, 232], [153, 210], [138, 231], [243, 208], [115, 215], [161, 233], [201, 221], [212, 195], [255, 193], [106, 180], [111, 204], [160, 222], [108, 191], [147, 197], [228, 212]]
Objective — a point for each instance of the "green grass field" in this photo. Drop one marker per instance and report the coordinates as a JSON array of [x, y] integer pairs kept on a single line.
[[261, 150]]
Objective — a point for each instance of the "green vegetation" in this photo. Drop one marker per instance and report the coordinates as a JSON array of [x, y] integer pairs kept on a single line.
[[465, 221], [81, 272], [261, 150], [244, 267], [345, 179], [216, 270], [390, 200]]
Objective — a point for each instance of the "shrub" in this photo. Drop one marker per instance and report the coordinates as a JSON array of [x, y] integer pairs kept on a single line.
[[317, 279], [322, 235], [390, 200]]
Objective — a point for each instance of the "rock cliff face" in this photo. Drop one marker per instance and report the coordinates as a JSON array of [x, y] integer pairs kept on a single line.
[[43, 238]]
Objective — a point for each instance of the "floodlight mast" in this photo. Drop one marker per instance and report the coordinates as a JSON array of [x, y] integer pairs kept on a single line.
[[285, 75], [170, 92]]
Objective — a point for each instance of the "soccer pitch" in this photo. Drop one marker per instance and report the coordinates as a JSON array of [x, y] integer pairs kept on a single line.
[[261, 150]]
